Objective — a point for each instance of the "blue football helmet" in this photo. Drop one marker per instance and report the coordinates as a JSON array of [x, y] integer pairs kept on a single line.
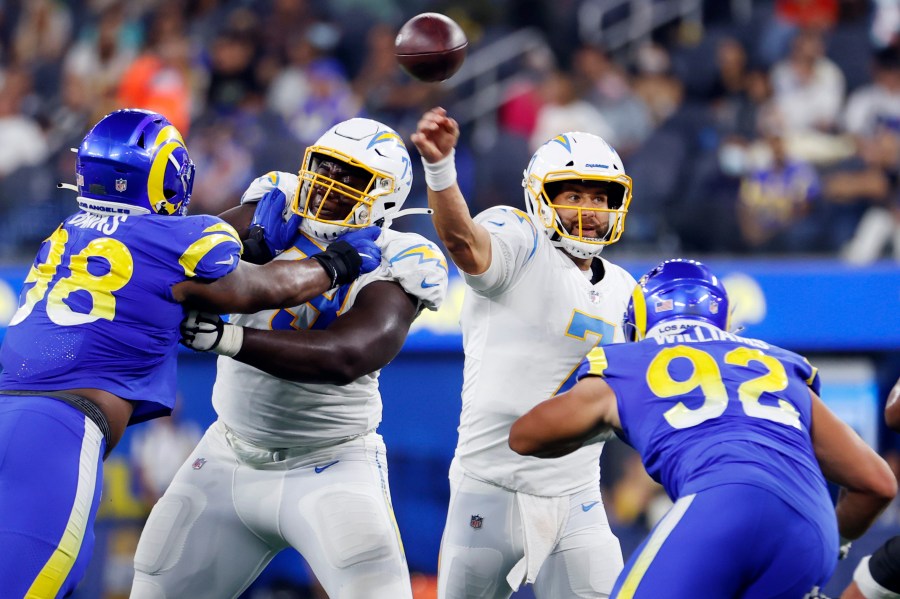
[[134, 162], [676, 289]]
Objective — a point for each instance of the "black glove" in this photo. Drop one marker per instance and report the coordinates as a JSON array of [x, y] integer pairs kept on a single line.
[[346, 259]]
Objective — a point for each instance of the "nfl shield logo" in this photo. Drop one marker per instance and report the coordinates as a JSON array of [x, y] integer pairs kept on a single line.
[[476, 521], [198, 463], [121, 185]]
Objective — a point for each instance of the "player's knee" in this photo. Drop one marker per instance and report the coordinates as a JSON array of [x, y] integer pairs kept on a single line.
[[355, 528], [145, 588], [376, 585], [164, 535], [471, 572]]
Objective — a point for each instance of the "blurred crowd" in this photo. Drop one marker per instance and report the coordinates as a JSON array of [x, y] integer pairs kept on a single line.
[[749, 126]]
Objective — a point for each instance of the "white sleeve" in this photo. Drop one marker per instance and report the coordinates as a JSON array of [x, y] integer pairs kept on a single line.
[[415, 263], [514, 241], [286, 182]]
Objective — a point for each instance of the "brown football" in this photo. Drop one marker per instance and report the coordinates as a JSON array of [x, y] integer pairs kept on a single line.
[[431, 47]]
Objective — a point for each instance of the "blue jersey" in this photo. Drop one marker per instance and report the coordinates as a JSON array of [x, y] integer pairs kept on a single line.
[[97, 311], [705, 408]]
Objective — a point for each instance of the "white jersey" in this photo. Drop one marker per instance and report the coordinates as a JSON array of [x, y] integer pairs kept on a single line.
[[275, 413], [527, 323]]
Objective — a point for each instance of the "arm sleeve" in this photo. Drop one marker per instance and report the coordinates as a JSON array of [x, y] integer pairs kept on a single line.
[[514, 242]]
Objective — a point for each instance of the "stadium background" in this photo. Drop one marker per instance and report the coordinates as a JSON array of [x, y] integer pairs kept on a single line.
[[697, 96]]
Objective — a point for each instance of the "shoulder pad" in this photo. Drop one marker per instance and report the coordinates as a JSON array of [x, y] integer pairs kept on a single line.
[[286, 182], [417, 265], [209, 247]]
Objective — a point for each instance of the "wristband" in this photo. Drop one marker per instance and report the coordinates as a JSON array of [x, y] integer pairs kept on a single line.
[[231, 341], [441, 174]]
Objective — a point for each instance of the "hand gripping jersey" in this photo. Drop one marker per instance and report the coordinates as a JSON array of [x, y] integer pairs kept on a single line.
[[527, 322], [706, 408], [97, 310], [271, 412]]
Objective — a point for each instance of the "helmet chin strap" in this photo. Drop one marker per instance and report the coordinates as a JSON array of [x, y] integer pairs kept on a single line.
[[321, 230], [386, 220]]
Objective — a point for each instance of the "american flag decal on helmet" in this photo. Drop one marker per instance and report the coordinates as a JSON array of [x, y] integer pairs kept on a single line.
[[665, 306]]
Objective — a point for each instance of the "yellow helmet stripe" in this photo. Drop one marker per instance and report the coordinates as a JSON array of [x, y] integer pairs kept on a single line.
[[640, 312], [158, 172], [166, 133]]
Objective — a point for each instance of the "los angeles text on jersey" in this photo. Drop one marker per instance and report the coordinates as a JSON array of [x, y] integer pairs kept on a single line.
[[695, 334]]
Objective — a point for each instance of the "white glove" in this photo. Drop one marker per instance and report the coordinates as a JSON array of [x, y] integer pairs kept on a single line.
[[202, 331]]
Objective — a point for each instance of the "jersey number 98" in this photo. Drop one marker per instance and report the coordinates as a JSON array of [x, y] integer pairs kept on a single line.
[[100, 287]]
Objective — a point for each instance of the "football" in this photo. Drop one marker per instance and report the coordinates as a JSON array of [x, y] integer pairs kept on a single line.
[[431, 47]]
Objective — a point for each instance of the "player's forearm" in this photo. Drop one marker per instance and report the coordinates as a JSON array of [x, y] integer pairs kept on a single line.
[[468, 243], [319, 357], [281, 284], [857, 511]]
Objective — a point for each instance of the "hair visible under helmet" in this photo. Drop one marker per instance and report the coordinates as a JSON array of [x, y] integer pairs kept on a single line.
[[577, 157]]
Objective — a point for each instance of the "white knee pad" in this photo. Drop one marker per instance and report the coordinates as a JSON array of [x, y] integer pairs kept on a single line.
[[472, 573], [163, 538], [144, 588], [352, 525]]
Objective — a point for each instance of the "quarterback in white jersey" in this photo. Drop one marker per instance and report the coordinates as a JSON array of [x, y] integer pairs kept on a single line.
[[540, 298], [294, 459]]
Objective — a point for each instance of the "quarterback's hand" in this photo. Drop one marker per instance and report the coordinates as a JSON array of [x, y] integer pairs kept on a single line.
[[202, 331], [436, 135], [363, 241], [274, 220]]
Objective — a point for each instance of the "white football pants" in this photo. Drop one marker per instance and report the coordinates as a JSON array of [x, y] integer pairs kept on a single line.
[[233, 506], [484, 538]]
